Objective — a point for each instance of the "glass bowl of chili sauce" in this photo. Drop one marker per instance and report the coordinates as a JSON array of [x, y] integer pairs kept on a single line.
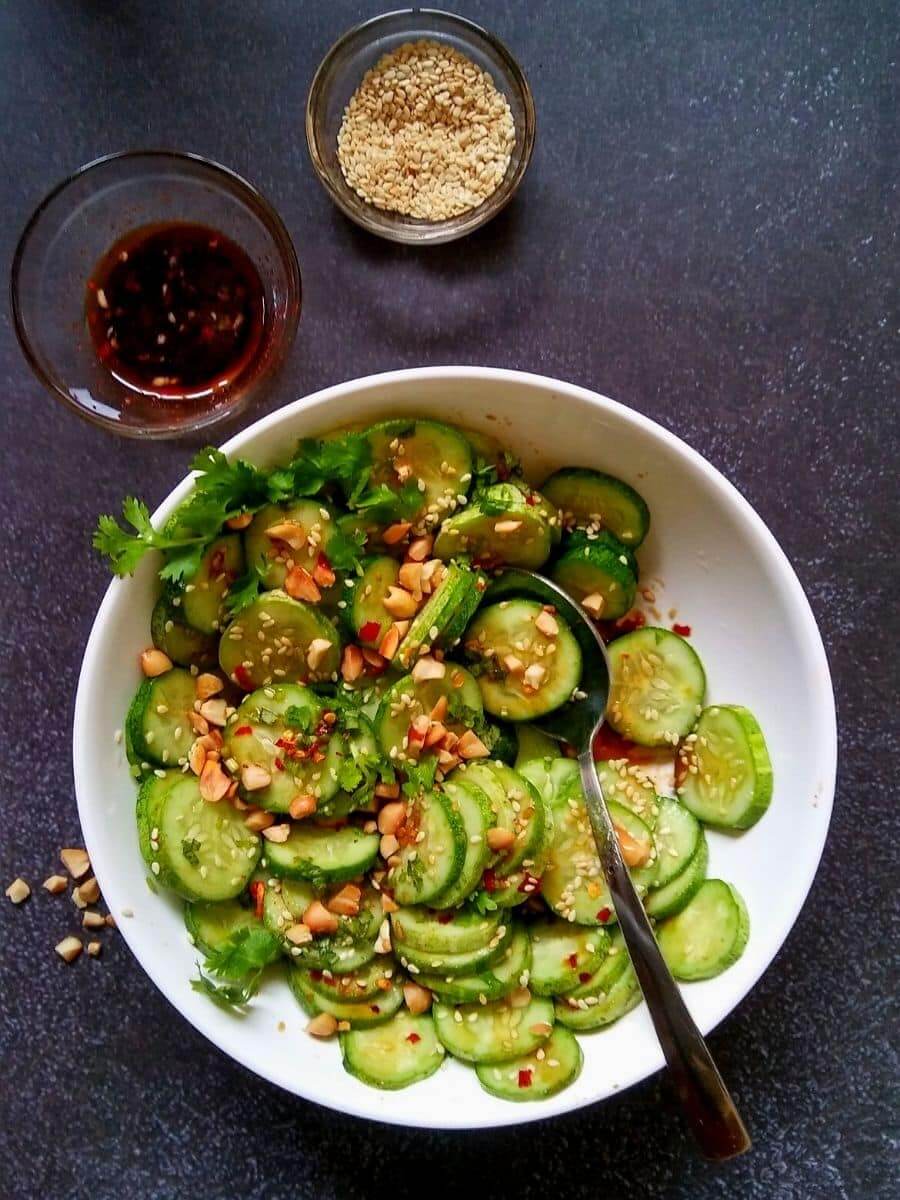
[[155, 293]]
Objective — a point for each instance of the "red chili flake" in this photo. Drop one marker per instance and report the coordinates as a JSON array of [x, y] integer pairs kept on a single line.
[[279, 764], [502, 469], [610, 745], [610, 630], [242, 677], [530, 884], [242, 729], [681, 630], [525, 1078], [445, 918], [370, 631], [583, 976], [572, 960], [375, 1008], [315, 976], [258, 892], [490, 881], [603, 915], [531, 500], [413, 1037], [217, 563]]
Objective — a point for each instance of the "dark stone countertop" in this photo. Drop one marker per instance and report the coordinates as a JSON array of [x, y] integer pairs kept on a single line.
[[705, 234]]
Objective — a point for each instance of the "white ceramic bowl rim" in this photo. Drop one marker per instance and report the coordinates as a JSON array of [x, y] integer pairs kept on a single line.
[[366, 1102]]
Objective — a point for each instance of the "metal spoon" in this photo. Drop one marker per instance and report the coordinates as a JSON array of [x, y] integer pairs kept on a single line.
[[707, 1105]]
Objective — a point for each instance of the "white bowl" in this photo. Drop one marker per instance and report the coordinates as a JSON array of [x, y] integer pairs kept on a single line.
[[708, 554]]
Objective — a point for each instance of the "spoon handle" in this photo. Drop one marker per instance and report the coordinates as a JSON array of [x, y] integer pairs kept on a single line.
[[707, 1105]]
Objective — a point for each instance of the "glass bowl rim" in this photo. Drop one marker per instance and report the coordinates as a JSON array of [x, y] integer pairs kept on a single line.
[[256, 201], [367, 216]]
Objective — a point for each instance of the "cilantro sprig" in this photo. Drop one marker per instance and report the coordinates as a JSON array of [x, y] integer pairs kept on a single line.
[[238, 963]]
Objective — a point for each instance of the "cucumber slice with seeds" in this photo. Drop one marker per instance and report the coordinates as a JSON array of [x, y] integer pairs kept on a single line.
[[657, 686], [157, 723], [365, 983], [433, 455], [499, 528], [535, 1076], [677, 835], [502, 976], [524, 672], [708, 935], [445, 615], [433, 854], [498, 1031], [170, 633], [320, 856], [474, 811], [593, 500], [529, 818], [394, 1055], [445, 932], [350, 948], [201, 851], [269, 642], [309, 525], [629, 786], [468, 962], [598, 568], [563, 955], [211, 924], [408, 699], [725, 774], [362, 1014], [671, 898], [203, 597], [369, 619], [599, 1009], [533, 744]]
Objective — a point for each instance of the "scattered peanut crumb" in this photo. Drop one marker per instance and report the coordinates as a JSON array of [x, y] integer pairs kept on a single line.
[[94, 948], [55, 884], [76, 861], [18, 891], [69, 948]]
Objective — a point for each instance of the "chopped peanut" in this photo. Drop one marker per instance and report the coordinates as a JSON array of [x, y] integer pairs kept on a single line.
[[500, 839], [352, 663], [318, 919], [153, 663], [418, 999], [69, 948], [389, 845], [440, 709], [470, 745], [396, 533], [546, 624], [199, 724], [303, 805], [399, 603], [432, 572], [383, 941], [373, 658], [300, 585], [277, 833], [207, 685], [75, 861], [387, 791], [391, 817], [254, 777], [428, 668], [323, 574], [315, 655], [420, 548], [215, 711], [18, 891], [534, 675], [322, 1026], [197, 757], [634, 852], [55, 884], [593, 603], [93, 920], [298, 934], [89, 891], [241, 521], [346, 902], [214, 783], [513, 665], [436, 733], [389, 904], [258, 820], [290, 532], [389, 643], [410, 577], [94, 949]]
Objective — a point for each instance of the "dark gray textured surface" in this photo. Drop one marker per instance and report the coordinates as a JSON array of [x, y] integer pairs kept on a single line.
[[706, 235]]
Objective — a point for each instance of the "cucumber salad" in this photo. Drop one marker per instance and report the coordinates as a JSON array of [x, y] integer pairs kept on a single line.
[[337, 772]]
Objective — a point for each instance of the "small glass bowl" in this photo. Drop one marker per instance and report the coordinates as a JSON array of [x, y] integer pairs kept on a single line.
[[341, 72], [77, 223]]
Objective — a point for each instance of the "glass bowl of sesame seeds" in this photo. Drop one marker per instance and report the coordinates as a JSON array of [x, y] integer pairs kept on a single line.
[[420, 125]]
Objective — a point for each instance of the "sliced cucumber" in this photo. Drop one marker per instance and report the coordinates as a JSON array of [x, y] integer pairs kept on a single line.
[[529, 818], [349, 949], [361, 1014], [445, 615], [170, 633], [725, 774], [593, 500], [201, 851], [677, 836], [202, 599], [598, 568], [468, 962], [394, 1055], [708, 935], [483, 776], [598, 1009], [270, 640], [564, 955], [635, 836], [433, 851], [498, 1031], [524, 672], [365, 983], [435, 456], [671, 898], [408, 699], [610, 968], [554, 778], [499, 528], [474, 811], [629, 786], [157, 722], [535, 1076], [533, 744], [321, 856], [498, 979], [301, 756], [573, 883], [451, 932], [307, 528], [369, 619], [211, 924], [658, 684]]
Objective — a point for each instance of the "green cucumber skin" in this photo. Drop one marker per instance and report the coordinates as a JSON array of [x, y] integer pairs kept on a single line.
[[584, 492], [379, 573], [592, 949], [624, 994], [362, 1014], [472, 962], [756, 763], [446, 445], [259, 547], [503, 1080], [166, 748], [424, 929], [502, 976], [202, 605], [533, 744], [468, 1040], [588, 567], [672, 897], [362, 849], [687, 840], [638, 708], [399, 1062], [185, 646], [475, 813], [444, 616], [690, 940], [200, 917], [402, 878], [301, 623], [473, 531]]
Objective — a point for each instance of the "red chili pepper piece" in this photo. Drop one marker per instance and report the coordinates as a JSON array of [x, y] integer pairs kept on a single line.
[[583, 976], [370, 631], [413, 1037], [242, 729], [375, 1008], [315, 976], [445, 918], [572, 960], [279, 764], [681, 630], [257, 890], [525, 1078], [490, 881], [603, 915], [531, 500], [242, 677]]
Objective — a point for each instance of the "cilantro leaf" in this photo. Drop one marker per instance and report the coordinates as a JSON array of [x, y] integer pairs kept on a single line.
[[483, 903], [344, 549], [344, 460], [189, 848], [125, 549], [383, 505], [244, 590], [226, 995], [300, 716], [419, 776], [239, 961]]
